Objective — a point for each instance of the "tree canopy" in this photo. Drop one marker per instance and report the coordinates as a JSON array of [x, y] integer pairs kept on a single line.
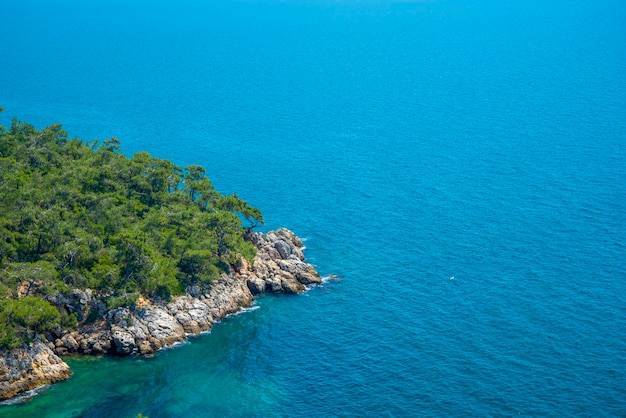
[[76, 214]]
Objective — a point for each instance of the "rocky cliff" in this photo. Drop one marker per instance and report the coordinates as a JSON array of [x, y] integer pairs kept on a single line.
[[278, 267]]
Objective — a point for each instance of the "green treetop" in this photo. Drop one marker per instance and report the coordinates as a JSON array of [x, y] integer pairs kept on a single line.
[[78, 215]]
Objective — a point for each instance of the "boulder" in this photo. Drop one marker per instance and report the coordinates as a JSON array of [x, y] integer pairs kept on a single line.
[[69, 343], [189, 325], [256, 285], [26, 368], [308, 275], [274, 285], [162, 326], [287, 235], [144, 347], [303, 272], [291, 286], [283, 249], [96, 338], [124, 341]]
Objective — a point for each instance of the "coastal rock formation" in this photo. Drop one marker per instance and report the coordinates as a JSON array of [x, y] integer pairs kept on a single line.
[[26, 368], [280, 264], [278, 267]]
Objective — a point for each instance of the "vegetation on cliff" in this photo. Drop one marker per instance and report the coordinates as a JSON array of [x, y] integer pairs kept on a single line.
[[76, 214]]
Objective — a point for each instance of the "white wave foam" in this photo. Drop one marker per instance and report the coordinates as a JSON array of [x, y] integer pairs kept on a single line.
[[331, 278], [244, 310], [25, 396], [206, 331], [176, 344]]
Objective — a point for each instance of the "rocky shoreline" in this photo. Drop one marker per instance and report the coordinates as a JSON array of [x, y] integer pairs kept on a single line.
[[279, 267]]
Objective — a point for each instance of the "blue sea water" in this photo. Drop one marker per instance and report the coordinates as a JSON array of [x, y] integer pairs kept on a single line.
[[459, 164]]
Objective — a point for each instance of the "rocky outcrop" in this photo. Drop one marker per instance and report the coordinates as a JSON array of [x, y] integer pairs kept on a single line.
[[278, 267], [26, 368]]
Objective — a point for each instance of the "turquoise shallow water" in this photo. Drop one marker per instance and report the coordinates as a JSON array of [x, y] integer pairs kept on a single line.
[[409, 143]]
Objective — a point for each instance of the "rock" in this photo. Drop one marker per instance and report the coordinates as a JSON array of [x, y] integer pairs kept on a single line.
[[292, 286], [78, 301], [304, 273], [119, 315], [69, 343], [278, 267], [101, 308], [26, 368], [289, 237], [192, 327], [227, 295], [144, 347], [309, 278], [200, 314], [97, 348], [274, 285], [96, 338], [139, 329], [289, 283], [162, 326], [82, 297], [283, 248], [155, 344], [124, 341], [189, 325], [256, 285], [194, 291], [279, 251]]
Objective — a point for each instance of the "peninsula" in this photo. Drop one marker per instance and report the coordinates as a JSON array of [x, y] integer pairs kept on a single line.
[[104, 254]]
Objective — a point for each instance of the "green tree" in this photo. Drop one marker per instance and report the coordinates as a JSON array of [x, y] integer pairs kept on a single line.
[[23, 319], [82, 214], [234, 204]]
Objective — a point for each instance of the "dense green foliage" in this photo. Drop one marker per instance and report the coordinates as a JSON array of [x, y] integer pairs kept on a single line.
[[21, 320], [77, 214]]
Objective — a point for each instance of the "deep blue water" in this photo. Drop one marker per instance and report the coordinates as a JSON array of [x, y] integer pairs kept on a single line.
[[409, 143]]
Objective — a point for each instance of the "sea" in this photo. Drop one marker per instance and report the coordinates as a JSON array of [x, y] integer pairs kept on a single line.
[[456, 169]]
